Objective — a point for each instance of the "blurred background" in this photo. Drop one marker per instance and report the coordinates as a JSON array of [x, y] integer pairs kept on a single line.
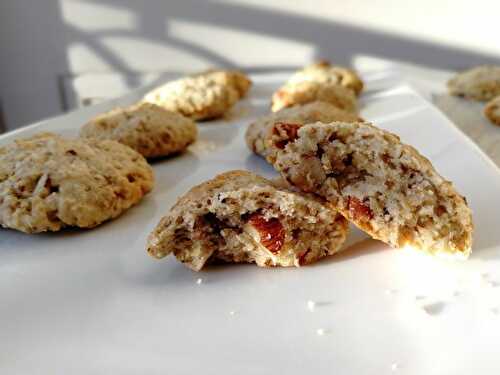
[[57, 55]]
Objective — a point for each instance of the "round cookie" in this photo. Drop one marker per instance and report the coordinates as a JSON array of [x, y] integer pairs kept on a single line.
[[309, 91], [324, 72], [480, 83], [236, 79], [492, 110], [199, 97], [241, 217], [48, 182], [147, 128], [383, 186], [257, 132]]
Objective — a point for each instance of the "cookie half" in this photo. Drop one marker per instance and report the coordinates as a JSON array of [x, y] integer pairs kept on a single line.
[[48, 182], [258, 133], [241, 217], [383, 186], [147, 128], [492, 110], [309, 91], [324, 72], [480, 83], [198, 97]]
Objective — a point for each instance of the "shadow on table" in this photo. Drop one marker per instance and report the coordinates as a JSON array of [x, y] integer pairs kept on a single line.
[[329, 39]]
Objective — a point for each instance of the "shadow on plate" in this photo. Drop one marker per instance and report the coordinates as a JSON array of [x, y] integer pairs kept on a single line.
[[170, 171], [359, 249]]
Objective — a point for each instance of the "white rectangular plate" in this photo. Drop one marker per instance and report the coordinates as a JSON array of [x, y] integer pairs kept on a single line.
[[93, 302]]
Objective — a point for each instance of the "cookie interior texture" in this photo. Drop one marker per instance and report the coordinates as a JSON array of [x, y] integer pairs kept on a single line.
[[258, 132], [383, 186], [147, 128], [479, 83], [48, 182], [241, 217]]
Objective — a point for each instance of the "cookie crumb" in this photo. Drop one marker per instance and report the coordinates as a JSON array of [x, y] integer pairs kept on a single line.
[[433, 308], [322, 331]]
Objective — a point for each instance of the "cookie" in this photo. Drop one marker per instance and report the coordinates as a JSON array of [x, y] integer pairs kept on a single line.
[[307, 92], [236, 79], [480, 83], [198, 97], [257, 133], [147, 128], [492, 110], [324, 72], [48, 182], [383, 186], [241, 217]]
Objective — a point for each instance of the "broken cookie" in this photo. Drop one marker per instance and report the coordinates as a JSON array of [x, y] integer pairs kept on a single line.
[[387, 188], [241, 217]]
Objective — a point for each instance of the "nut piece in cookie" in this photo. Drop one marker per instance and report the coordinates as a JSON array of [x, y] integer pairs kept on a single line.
[[48, 182], [383, 186], [324, 72], [147, 128], [310, 91], [492, 110], [480, 83], [241, 217], [258, 132]]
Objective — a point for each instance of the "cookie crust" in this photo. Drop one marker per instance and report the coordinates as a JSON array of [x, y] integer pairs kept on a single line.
[[325, 72], [310, 91], [492, 110], [480, 83], [48, 182], [234, 78], [199, 97], [147, 128]]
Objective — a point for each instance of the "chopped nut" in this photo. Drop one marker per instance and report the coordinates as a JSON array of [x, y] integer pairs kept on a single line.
[[440, 210], [289, 130], [272, 233], [302, 257], [358, 210]]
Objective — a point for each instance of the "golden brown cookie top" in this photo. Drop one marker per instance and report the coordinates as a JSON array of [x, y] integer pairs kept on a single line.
[[311, 91], [324, 72], [478, 83], [48, 182], [147, 128]]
